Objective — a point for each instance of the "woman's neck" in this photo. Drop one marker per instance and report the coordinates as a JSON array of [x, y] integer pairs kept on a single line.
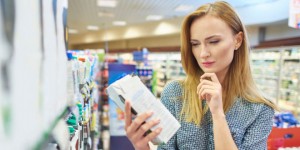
[[221, 77]]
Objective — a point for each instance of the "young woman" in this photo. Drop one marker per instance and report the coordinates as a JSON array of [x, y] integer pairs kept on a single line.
[[217, 104]]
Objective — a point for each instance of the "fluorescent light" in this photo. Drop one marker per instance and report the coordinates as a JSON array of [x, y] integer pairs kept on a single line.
[[72, 31], [107, 3], [184, 8], [94, 28], [119, 23], [106, 14], [154, 17]]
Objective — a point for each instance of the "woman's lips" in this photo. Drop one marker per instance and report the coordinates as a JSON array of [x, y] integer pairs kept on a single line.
[[207, 64]]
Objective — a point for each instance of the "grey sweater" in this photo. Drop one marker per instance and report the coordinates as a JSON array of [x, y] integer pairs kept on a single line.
[[250, 124]]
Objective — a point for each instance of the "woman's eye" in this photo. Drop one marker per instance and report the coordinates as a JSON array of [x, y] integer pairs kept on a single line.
[[214, 42], [195, 44]]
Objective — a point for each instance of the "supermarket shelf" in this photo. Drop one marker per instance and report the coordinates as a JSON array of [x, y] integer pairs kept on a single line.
[[266, 87], [287, 60], [288, 90], [265, 77], [47, 133], [272, 77], [289, 79], [291, 58], [74, 140], [265, 67], [87, 121], [263, 86], [266, 59], [283, 104]]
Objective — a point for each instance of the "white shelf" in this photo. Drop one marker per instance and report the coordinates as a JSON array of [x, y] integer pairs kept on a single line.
[[74, 140], [289, 79], [266, 87], [264, 68], [287, 105], [265, 77], [263, 60], [288, 90], [291, 58]]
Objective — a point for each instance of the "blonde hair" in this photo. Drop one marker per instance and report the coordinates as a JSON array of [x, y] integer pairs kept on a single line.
[[238, 81]]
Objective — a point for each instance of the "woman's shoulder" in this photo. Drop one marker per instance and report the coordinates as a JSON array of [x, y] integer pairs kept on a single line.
[[172, 92], [244, 113], [171, 97], [253, 108], [173, 86]]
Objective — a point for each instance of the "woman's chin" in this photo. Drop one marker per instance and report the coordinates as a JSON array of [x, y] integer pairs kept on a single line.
[[205, 70]]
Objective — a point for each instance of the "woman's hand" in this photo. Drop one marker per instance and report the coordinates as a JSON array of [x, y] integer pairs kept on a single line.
[[136, 129], [210, 89]]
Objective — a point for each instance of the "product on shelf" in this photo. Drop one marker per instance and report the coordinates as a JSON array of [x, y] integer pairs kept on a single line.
[[285, 132], [285, 120]]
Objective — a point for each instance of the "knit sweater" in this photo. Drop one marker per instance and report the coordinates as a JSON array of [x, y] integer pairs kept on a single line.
[[250, 124]]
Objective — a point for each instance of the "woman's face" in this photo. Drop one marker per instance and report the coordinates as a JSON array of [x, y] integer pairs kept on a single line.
[[213, 44]]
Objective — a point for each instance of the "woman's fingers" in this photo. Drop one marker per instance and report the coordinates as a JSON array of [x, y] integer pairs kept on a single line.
[[137, 122], [207, 92], [128, 115], [136, 129], [152, 135], [203, 88], [211, 76], [143, 142], [145, 128], [202, 83]]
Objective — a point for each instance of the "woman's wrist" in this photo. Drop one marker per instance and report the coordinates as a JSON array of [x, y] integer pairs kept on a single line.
[[148, 148], [219, 114]]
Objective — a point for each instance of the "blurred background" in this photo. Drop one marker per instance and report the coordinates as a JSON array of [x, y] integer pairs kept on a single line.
[[58, 57]]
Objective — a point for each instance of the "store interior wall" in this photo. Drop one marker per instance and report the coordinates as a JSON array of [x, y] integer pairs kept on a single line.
[[146, 35], [281, 31], [137, 43]]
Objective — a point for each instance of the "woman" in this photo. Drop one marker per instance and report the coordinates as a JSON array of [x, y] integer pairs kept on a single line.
[[217, 104]]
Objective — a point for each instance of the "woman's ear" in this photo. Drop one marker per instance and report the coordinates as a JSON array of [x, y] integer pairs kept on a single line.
[[238, 40]]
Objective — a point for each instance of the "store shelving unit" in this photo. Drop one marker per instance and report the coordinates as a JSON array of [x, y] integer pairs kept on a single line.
[[103, 141], [277, 73], [168, 67]]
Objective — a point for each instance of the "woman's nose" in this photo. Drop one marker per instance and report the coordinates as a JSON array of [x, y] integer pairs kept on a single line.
[[204, 52]]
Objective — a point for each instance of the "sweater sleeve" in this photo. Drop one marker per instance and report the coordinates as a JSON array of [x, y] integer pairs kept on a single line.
[[257, 133]]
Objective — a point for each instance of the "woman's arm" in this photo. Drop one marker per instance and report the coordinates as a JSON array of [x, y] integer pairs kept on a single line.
[[256, 135], [211, 91], [222, 135]]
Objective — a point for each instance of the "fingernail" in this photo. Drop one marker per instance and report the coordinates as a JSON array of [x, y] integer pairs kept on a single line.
[[149, 112], [159, 130], [157, 120]]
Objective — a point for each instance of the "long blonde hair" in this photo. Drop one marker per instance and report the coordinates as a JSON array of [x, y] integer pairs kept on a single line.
[[238, 81]]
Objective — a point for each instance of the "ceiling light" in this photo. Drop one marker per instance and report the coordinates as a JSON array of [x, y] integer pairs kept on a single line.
[[106, 14], [184, 8], [107, 3], [72, 31], [154, 17], [119, 23], [94, 28]]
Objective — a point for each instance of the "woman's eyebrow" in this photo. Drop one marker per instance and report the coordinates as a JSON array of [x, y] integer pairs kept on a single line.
[[207, 38], [212, 37], [192, 40]]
